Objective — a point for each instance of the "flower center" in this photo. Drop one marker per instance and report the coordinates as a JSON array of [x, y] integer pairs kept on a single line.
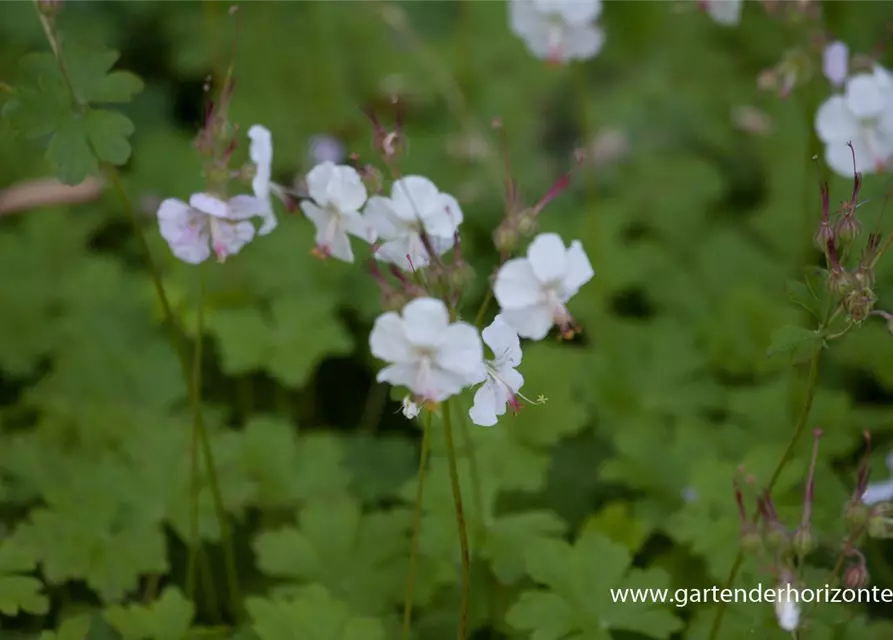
[[217, 242], [555, 37]]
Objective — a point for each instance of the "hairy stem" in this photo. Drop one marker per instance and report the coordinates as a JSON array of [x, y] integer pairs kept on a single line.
[[416, 526], [475, 477], [811, 387], [460, 521]]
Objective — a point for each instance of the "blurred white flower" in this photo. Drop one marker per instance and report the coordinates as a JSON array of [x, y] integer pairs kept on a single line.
[[261, 153], [193, 230], [338, 193], [503, 382], [880, 491], [532, 291], [325, 148], [430, 356], [787, 607], [415, 205], [558, 30], [863, 115], [835, 62], [724, 12]]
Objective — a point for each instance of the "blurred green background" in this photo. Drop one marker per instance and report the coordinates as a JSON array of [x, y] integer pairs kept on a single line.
[[693, 221]]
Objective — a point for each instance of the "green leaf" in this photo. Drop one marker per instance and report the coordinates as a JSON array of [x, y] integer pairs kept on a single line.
[[168, 618], [576, 599], [360, 557], [509, 537], [312, 614], [108, 132], [69, 152], [88, 71], [19, 592], [74, 628], [799, 342]]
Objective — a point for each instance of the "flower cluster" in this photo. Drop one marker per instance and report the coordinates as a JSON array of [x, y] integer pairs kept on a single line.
[[862, 114], [558, 30]]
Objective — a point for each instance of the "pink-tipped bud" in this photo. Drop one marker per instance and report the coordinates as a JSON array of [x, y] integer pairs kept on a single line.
[[856, 576]]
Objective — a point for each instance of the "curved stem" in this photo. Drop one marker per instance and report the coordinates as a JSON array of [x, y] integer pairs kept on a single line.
[[460, 521], [416, 526], [479, 317], [811, 386]]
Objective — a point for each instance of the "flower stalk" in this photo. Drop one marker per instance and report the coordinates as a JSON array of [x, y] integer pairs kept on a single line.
[[416, 526], [460, 521]]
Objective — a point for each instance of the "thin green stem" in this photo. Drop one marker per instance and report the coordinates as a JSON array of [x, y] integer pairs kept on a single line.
[[811, 387], [197, 425], [373, 407], [416, 526], [475, 477], [479, 317], [460, 521]]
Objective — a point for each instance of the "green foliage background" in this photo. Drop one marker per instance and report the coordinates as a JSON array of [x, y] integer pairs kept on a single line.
[[693, 235]]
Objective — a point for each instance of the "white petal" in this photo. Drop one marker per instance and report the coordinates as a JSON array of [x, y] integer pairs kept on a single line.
[[318, 216], [582, 43], [835, 62], [269, 223], [864, 97], [516, 285], [834, 122], [548, 257], [512, 378], [878, 492], [531, 322], [402, 374], [529, 24], [380, 214], [483, 411], [407, 252], [244, 207], [573, 12], [358, 226], [425, 320], [414, 197], [347, 191], [318, 180], [444, 218], [388, 342], [337, 245], [210, 205], [503, 341], [787, 610], [579, 270], [229, 237], [725, 12], [443, 383], [185, 230], [261, 153], [461, 352]]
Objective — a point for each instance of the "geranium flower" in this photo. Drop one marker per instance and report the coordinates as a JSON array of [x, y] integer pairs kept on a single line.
[[863, 115], [533, 291], [415, 205], [724, 12], [207, 222], [433, 358], [338, 193], [558, 30], [503, 381]]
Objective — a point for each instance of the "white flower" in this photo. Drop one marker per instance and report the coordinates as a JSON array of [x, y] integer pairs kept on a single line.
[[415, 205], [880, 491], [835, 62], [409, 408], [558, 30], [261, 153], [338, 193], [532, 291], [787, 607], [863, 115], [503, 382], [724, 12], [207, 222], [431, 357]]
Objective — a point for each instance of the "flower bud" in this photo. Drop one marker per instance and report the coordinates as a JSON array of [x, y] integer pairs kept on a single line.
[[460, 275], [856, 576], [777, 538], [751, 540], [848, 229], [823, 236], [49, 8], [527, 222], [840, 283], [505, 237], [858, 303], [879, 522], [856, 514], [371, 177], [864, 277], [803, 543]]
